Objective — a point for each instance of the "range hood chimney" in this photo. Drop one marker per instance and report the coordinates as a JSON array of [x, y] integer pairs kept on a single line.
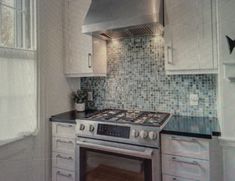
[[115, 19]]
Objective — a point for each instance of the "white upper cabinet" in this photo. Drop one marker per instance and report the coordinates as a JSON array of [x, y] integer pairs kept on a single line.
[[190, 36], [84, 55]]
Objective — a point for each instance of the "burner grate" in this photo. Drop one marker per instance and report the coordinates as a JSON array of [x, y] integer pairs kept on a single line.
[[132, 117]]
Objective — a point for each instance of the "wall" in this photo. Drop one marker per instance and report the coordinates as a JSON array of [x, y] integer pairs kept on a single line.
[[136, 79], [29, 159], [226, 88]]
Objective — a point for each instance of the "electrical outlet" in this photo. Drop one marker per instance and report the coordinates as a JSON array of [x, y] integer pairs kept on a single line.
[[90, 96], [193, 99]]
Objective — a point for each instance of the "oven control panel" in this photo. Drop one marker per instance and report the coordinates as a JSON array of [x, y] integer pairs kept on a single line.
[[113, 130], [133, 134]]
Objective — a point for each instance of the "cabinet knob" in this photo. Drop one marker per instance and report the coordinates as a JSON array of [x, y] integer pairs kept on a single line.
[[91, 128], [152, 135], [82, 127], [143, 134], [135, 133]]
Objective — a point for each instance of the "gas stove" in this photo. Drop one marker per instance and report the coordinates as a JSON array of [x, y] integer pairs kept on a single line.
[[131, 117], [124, 126]]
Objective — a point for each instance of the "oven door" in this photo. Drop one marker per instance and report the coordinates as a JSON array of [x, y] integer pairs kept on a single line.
[[98, 160]]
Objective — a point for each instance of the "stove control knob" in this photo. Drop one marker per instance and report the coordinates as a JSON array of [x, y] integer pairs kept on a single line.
[[135, 133], [143, 134], [152, 135], [91, 128], [82, 127]]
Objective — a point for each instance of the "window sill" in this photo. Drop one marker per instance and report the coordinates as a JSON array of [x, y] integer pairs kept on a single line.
[[18, 138]]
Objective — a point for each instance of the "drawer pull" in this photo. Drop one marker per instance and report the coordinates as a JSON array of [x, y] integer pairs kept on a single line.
[[65, 126], [183, 161], [65, 158], [63, 174], [184, 140], [67, 142]]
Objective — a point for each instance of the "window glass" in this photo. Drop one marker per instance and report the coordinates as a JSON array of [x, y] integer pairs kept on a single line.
[[7, 23]]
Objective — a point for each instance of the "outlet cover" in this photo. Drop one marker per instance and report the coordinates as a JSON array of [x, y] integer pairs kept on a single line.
[[90, 96], [193, 99]]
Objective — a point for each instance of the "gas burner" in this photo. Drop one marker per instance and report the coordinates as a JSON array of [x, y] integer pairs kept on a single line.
[[105, 115], [153, 118]]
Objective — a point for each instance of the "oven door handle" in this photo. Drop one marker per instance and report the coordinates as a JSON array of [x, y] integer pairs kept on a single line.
[[147, 153]]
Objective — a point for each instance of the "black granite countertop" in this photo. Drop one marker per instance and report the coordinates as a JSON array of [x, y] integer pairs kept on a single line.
[[71, 116], [201, 127]]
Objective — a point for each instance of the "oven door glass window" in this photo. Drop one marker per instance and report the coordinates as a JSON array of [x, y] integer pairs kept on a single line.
[[104, 166]]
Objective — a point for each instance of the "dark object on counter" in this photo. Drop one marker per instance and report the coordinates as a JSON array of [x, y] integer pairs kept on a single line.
[[201, 127], [231, 44]]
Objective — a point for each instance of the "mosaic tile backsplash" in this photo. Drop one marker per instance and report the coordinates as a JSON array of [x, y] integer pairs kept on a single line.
[[137, 80]]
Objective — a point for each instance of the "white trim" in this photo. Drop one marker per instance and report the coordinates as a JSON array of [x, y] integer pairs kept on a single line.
[[227, 141]]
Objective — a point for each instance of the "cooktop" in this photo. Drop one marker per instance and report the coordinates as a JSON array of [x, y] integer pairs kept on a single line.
[[132, 117]]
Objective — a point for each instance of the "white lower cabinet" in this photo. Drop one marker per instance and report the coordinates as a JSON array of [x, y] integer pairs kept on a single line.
[[62, 175], [190, 159], [185, 167], [63, 152]]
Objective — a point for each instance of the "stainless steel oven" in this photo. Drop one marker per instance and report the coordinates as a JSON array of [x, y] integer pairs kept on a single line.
[[119, 145], [98, 160]]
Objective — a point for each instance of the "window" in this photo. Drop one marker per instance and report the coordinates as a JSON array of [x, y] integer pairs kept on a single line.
[[17, 24], [18, 69]]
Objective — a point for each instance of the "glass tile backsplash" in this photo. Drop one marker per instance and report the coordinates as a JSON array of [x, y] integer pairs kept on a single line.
[[136, 79]]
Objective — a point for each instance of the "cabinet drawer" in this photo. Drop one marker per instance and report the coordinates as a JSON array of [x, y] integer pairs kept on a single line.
[[185, 146], [63, 130], [62, 175], [63, 161], [185, 167], [172, 178], [64, 145]]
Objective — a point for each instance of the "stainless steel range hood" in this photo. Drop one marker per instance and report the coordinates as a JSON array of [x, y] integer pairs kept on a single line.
[[114, 19]]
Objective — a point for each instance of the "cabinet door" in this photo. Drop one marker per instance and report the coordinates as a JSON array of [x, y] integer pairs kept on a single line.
[[99, 63], [188, 35], [78, 53]]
